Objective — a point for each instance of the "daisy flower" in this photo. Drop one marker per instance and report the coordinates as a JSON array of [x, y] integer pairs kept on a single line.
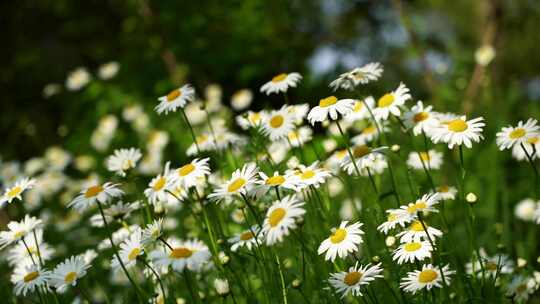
[[159, 186], [412, 251], [130, 249], [330, 107], [250, 119], [361, 75], [281, 217], [18, 230], [281, 83], [298, 112], [510, 136], [520, 288], [420, 119], [16, 191], [425, 204], [363, 156], [175, 99], [26, 252], [246, 239], [351, 281], [427, 278], [446, 192], [359, 109], [190, 173], [78, 79], [299, 137], [458, 132], [336, 159], [312, 175], [152, 232], [389, 103], [369, 133], [28, 278], [278, 124], [395, 217], [100, 193], [493, 265], [205, 142], [430, 160], [241, 99], [239, 183], [343, 241], [525, 209], [123, 160], [189, 254], [68, 272], [286, 181], [119, 211], [415, 233], [532, 145]]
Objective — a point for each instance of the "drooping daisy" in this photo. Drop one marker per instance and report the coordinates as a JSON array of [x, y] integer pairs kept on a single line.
[[240, 182], [429, 277], [177, 98], [300, 136], [152, 232], [431, 160], [285, 181], [459, 131], [312, 175], [521, 287], [351, 281], [16, 191], [412, 251], [343, 241], [100, 193], [281, 217], [189, 254], [336, 159], [395, 217], [532, 145], [118, 211], [18, 230], [246, 239], [389, 103], [330, 107], [510, 136], [370, 133], [281, 83], [28, 278], [123, 160], [130, 249], [415, 233], [361, 75], [363, 155], [68, 272], [359, 110], [446, 192], [189, 173], [159, 186], [278, 124], [420, 119]]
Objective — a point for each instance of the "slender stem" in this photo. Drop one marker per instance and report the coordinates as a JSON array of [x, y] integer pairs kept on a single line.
[[191, 131], [346, 140], [37, 247], [157, 278], [29, 252], [531, 162], [283, 287]]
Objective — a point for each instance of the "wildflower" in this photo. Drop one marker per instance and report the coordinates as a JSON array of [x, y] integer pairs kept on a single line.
[[430, 160], [311, 175], [26, 252], [250, 119], [330, 107], [395, 217], [420, 119], [298, 112], [363, 157], [370, 133], [429, 277], [68, 272], [221, 286], [446, 192], [359, 109], [520, 288], [117, 211], [412, 251], [352, 280], [100, 193], [278, 124], [491, 265], [471, 198], [510, 136], [361, 75], [18, 230], [281, 83], [532, 144], [239, 183], [458, 132], [416, 232], [28, 278], [425, 204], [78, 79], [16, 191], [190, 173], [286, 181], [241, 99], [246, 239], [159, 186], [299, 137], [177, 98], [108, 70], [130, 249], [152, 232], [343, 241], [189, 254], [281, 217], [123, 160], [389, 103]]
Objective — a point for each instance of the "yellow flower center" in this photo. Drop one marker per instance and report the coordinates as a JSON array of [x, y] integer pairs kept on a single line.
[[127, 164], [70, 277], [361, 151], [341, 154], [275, 180], [93, 191], [411, 247], [457, 125], [201, 139], [358, 105], [134, 253], [160, 183], [276, 121], [31, 276], [254, 117], [19, 234], [307, 174], [279, 77], [425, 156], [417, 206], [517, 133], [392, 217], [418, 117], [533, 140], [173, 95], [186, 169], [417, 226], [491, 266], [338, 236], [14, 192], [352, 278], [276, 216], [236, 184], [443, 189], [328, 101], [293, 135], [369, 130], [386, 100], [180, 253], [247, 236], [428, 275]]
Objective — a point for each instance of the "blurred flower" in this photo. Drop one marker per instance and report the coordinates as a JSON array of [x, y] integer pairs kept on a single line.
[[78, 79], [241, 99], [362, 75], [68, 272], [123, 160], [175, 99], [281, 83], [108, 70], [51, 89], [484, 55]]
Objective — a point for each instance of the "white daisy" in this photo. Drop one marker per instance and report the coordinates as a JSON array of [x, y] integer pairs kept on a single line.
[[152, 232], [359, 110], [118, 211], [299, 137], [68, 272], [190, 173], [428, 278], [240, 182], [361, 75], [28, 278], [16, 191], [123, 160], [415, 233], [363, 157], [241, 99], [18, 230], [281, 217], [389, 103], [370, 133], [351, 281], [525, 209], [343, 241], [189, 254], [531, 145], [412, 251], [446, 192], [278, 124], [130, 249], [298, 112], [431, 160], [78, 79], [330, 107], [459, 131], [246, 239], [177, 98], [521, 287], [281, 83], [425, 204], [395, 217], [492, 265], [159, 186], [100, 193], [420, 119], [312, 175], [286, 181], [26, 252], [250, 119], [510, 136]]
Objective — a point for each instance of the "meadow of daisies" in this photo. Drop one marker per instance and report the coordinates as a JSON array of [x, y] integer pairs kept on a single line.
[[360, 197]]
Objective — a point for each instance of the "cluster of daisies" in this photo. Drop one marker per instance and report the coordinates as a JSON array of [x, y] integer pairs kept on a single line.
[[272, 191]]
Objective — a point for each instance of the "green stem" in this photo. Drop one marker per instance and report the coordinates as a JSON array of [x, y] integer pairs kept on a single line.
[[351, 155], [283, 287], [191, 131]]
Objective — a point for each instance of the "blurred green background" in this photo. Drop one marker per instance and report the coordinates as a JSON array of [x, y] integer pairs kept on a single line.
[[430, 45]]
